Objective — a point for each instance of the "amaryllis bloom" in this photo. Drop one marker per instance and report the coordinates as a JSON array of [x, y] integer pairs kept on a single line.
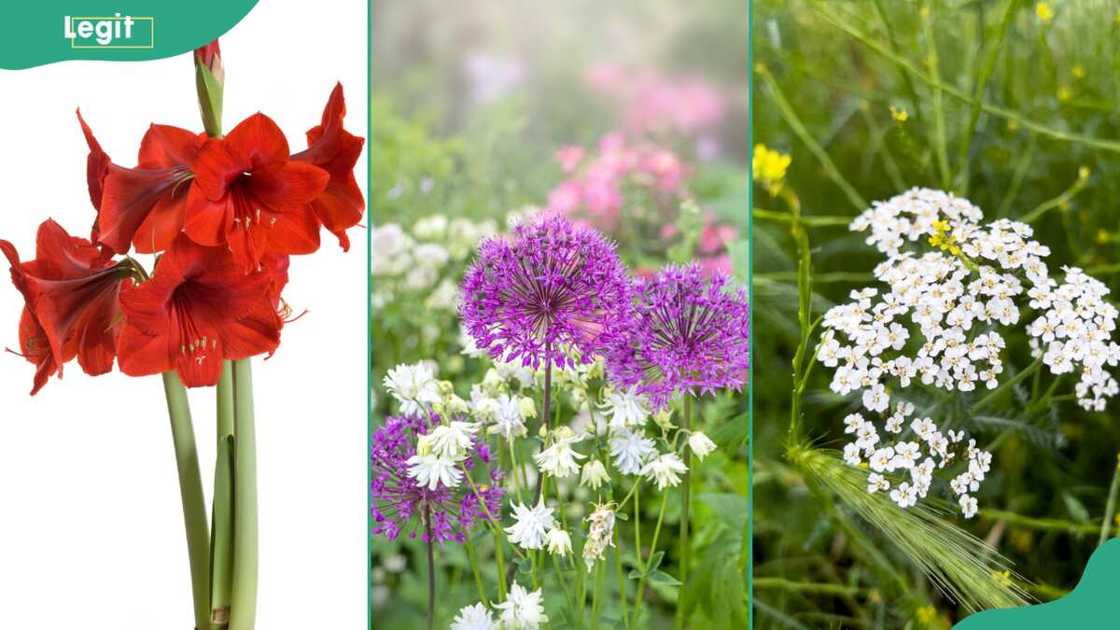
[[197, 309], [70, 291], [689, 335], [399, 502], [551, 288], [250, 197], [335, 150], [143, 206]]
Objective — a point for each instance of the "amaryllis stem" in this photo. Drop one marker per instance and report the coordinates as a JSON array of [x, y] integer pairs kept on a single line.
[[431, 568], [221, 541], [243, 594], [190, 491]]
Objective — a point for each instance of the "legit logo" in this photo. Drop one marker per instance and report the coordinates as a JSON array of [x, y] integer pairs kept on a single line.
[[117, 31]]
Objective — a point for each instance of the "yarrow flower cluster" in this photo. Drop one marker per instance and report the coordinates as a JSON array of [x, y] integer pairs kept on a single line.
[[416, 483], [939, 322]]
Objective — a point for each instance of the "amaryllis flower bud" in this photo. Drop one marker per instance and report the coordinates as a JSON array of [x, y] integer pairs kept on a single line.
[[335, 150], [143, 206], [198, 308], [249, 196], [209, 81], [70, 291]]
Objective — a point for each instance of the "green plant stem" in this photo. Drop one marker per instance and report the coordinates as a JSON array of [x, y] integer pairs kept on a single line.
[[907, 65], [649, 559], [596, 596], [819, 588], [620, 575], [560, 577], [190, 492], [984, 72], [1065, 197], [1042, 524], [243, 593], [686, 482], [430, 544], [786, 217], [790, 116], [1110, 507], [1006, 385], [546, 404], [221, 541], [472, 557], [940, 144], [499, 556]]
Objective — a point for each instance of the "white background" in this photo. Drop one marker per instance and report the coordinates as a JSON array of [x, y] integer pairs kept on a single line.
[[91, 529]]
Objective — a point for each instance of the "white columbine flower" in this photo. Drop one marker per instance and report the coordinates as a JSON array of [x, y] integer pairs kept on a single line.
[[452, 440], [474, 617], [593, 474], [413, 386], [700, 444], [626, 409], [630, 451], [522, 610], [665, 469], [508, 420], [559, 542], [431, 470], [531, 526], [559, 460]]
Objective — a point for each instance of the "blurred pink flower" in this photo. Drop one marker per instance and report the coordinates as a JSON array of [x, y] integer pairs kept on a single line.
[[715, 237], [569, 158], [716, 264]]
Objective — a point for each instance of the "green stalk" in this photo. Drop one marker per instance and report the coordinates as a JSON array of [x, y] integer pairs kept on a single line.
[[596, 597], [429, 543], [221, 541], [473, 558], [1110, 508], [190, 492], [649, 560], [620, 576], [686, 550], [939, 142], [243, 595]]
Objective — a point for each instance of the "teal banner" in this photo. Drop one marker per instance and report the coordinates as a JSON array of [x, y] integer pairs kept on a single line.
[[39, 33], [1092, 604]]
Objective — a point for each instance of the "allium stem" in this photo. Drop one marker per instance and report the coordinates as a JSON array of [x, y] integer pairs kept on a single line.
[[686, 488], [430, 543], [1110, 507], [545, 408], [243, 593], [190, 492]]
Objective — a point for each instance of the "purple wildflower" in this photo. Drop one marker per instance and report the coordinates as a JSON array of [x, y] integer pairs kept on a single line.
[[399, 504], [689, 335], [552, 287]]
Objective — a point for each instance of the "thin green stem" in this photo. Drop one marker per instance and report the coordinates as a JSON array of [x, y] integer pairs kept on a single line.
[[620, 576], [472, 557], [243, 594], [221, 541], [940, 145], [790, 116], [647, 566], [818, 588], [190, 492], [597, 596], [429, 542], [1042, 524], [1110, 507], [1006, 385], [1057, 202], [686, 482], [984, 72]]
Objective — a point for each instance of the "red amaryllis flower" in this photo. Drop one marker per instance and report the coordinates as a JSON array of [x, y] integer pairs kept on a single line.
[[197, 309], [142, 206], [70, 291], [335, 150], [248, 195]]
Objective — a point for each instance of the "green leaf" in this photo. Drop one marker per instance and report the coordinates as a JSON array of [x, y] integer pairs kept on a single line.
[[1076, 509], [655, 560], [662, 578]]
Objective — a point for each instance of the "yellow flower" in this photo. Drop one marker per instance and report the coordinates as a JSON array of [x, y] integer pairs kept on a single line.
[[899, 114], [769, 167], [1012, 125], [943, 239], [1078, 71], [1064, 93], [1003, 577], [1083, 172], [926, 614], [1044, 12]]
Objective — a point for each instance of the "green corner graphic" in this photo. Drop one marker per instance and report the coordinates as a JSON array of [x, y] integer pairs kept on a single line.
[[64, 30], [1091, 605]]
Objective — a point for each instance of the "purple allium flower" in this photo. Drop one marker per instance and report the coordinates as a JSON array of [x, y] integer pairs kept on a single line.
[[689, 334], [553, 286], [398, 503]]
